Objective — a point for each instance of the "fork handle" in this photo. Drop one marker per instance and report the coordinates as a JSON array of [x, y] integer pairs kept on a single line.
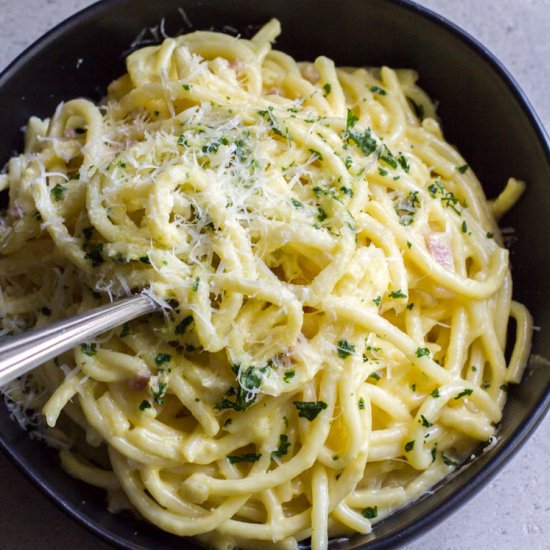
[[22, 353]]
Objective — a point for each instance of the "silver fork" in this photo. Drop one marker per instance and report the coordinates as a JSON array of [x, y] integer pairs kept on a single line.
[[22, 353]]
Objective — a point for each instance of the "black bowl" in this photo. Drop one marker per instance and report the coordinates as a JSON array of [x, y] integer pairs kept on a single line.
[[484, 113]]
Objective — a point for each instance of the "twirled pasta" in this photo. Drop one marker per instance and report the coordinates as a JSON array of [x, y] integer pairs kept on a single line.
[[338, 292]]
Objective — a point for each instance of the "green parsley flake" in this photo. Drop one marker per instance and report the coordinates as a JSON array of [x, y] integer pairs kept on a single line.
[[396, 294], [404, 163], [162, 358], [125, 330], [378, 300], [183, 325], [409, 446], [309, 409], [448, 461], [196, 283], [249, 457], [377, 90], [159, 392], [186, 87], [282, 450], [345, 349], [327, 87], [288, 376], [57, 192], [296, 203], [422, 352], [321, 215], [424, 421], [435, 393], [144, 405], [463, 393], [462, 169], [361, 404], [95, 256], [370, 512], [89, 349]]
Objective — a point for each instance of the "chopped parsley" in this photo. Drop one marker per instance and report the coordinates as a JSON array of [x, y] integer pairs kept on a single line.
[[244, 395], [387, 157], [183, 325], [463, 393], [344, 349], [57, 192], [321, 214], [406, 208], [404, 163], [316, 154], [346, 191], [186, 87], [422, 352], [282, 450], [296, 203], [462, 169], [268, 116], [159, 392], [377, 90], [162, 358], [397, 294], [409, 245], [95, 256], [145, 260], [327, 87], [248, 457], [489, 235], [448, 461], [382, 172], [288, 376], [410, 306], [370, 512], [424, 421], [464, 227], [125, 330], [309, 409], [418, 109], [145, 404], [409, 446], [366, 142], [378, 300], [361, 404], [196, 283], [89, 349], [435, 393]]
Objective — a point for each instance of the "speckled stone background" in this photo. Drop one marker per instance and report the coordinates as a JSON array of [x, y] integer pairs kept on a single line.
[[512, 512]]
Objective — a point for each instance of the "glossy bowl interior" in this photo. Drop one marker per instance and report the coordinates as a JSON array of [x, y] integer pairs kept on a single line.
[[483, 113]]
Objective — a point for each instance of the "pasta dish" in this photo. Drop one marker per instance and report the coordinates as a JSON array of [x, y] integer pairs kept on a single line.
[[335, 288]]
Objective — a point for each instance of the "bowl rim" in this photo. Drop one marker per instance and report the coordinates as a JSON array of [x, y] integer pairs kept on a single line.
[[499, 457]]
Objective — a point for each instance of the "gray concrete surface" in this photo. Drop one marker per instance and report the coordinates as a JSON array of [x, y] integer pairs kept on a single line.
[[512, 512]]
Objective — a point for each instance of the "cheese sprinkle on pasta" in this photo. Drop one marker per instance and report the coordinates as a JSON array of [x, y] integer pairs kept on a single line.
[[337, 288]]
